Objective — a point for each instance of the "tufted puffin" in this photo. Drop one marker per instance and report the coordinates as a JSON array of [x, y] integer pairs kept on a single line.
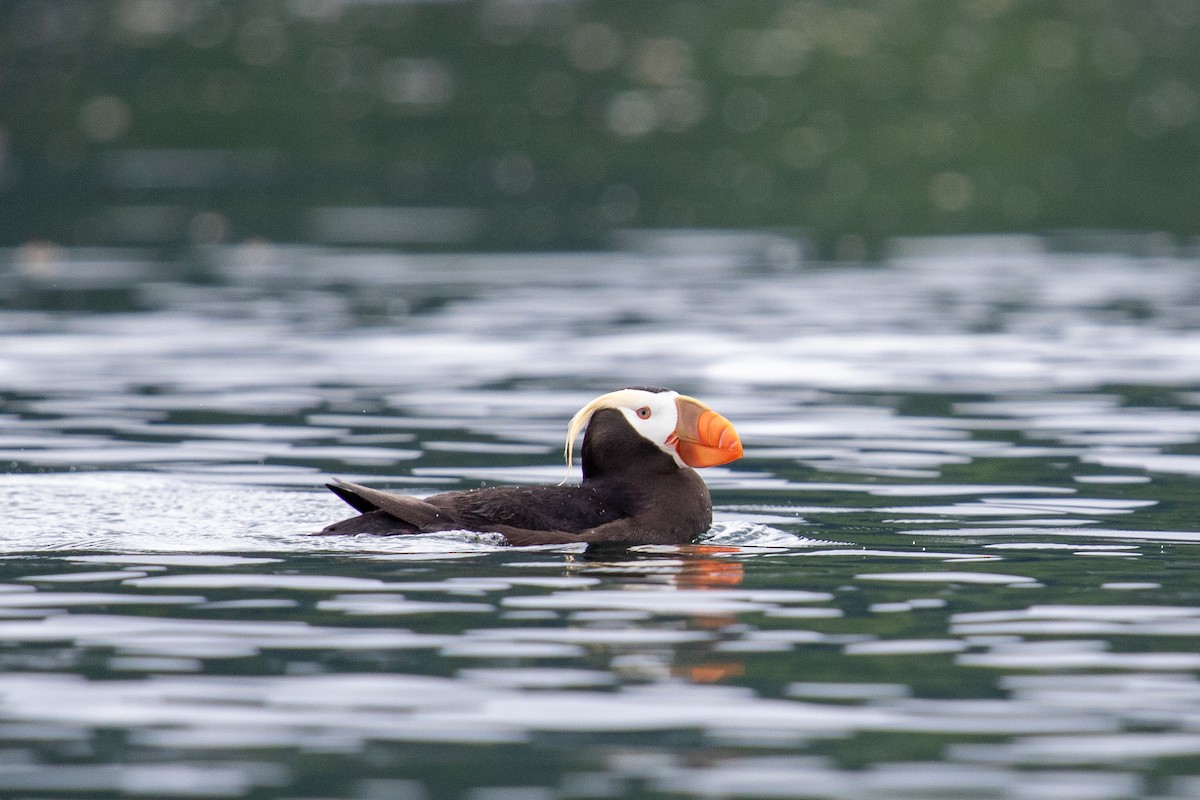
[[638, 487]]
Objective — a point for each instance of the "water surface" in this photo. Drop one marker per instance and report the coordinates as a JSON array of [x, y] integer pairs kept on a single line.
[[956, 561]]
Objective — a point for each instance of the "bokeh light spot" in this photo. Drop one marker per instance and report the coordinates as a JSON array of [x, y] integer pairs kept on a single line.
[[595, 47], [261, 41], [1170, 105], [805, 147], [662, 62], [417, 85], [105, 118], [150, 20], [209, 26], [632, 114], [682, 107], [514, 174], [951, 192], [507, 22], [208, 228], [1053, 46]]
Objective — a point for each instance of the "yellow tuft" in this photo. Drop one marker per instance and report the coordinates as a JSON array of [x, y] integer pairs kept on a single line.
[[618, 399]]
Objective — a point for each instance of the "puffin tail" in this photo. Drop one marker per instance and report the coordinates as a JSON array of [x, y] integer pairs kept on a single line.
[[351, 499], [411, 510]]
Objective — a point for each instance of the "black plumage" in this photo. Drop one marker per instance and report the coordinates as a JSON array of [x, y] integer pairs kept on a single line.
[[633, 490]]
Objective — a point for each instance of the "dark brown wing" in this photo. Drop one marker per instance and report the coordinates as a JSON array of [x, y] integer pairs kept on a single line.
[[571, 509], [541, 508]]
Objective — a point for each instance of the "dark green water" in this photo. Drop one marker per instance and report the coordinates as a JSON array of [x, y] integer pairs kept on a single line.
[[957, 560]]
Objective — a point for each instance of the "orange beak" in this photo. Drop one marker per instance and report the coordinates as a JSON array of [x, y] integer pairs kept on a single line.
[[703, 438]]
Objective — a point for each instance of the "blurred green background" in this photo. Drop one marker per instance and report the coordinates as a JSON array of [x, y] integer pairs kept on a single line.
[[544, 123]]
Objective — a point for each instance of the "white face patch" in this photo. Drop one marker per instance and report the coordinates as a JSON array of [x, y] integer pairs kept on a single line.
[[652, 414]]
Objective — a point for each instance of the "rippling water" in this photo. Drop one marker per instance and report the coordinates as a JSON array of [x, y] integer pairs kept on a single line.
[[957, 560]]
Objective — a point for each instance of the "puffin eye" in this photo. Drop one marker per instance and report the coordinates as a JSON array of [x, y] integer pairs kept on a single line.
[[643, 412]]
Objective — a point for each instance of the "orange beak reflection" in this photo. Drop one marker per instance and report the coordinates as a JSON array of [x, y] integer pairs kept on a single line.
[[703, 437]]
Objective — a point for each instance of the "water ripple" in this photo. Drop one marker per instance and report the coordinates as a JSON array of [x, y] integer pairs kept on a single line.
[[916, 584]]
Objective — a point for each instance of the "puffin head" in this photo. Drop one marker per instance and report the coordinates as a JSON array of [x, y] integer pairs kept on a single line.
[[682, 427]]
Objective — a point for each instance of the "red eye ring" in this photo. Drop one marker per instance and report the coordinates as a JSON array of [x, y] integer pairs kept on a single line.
[[643, 412]]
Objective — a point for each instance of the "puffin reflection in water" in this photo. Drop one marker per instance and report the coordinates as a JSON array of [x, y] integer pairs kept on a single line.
[[639, 485]]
